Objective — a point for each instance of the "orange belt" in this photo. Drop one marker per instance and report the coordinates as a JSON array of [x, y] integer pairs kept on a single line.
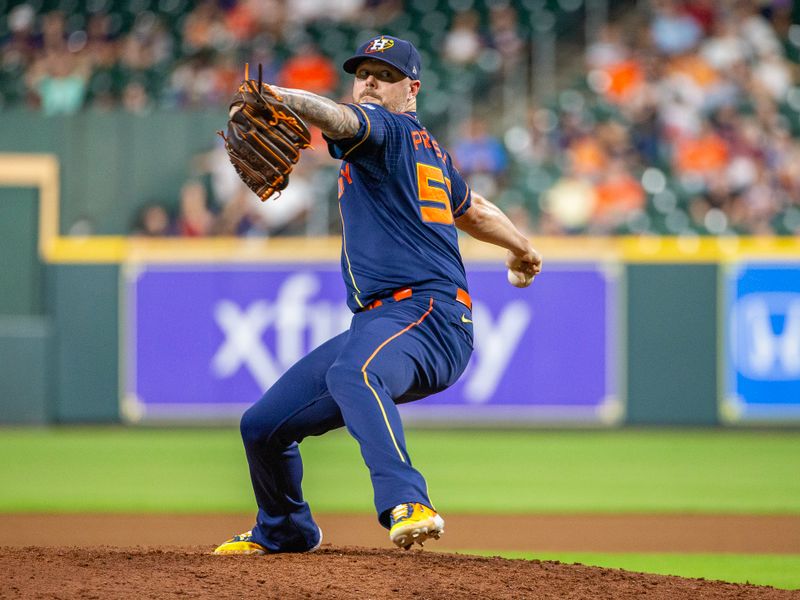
[[406, 292]]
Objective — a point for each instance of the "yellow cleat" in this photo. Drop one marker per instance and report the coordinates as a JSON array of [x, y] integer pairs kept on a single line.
[[241, 544], [414, 523]]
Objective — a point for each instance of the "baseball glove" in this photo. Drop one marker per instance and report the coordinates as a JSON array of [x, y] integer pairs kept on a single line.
[[264, 137]]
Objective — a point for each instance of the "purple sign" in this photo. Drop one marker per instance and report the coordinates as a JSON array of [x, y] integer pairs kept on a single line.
[[205, 342]]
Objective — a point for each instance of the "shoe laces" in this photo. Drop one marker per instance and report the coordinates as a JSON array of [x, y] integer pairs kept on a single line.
[[402, 511], [244, 537]]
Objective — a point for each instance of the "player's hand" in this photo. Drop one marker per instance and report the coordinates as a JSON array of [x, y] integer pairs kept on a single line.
[[522, 268]]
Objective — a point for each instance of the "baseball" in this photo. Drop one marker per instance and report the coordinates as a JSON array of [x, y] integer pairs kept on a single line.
[[519, 280]]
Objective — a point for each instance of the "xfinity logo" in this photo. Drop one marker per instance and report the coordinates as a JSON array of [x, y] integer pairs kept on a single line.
[[765, 335], [297, 325], [265, 338]]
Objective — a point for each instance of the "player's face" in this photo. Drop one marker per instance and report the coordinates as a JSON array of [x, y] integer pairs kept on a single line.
[[379, 83]]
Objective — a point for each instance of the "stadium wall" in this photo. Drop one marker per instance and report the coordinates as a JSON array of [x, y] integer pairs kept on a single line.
[[672, 344], [111, 163], [681, 314], [66, 365]]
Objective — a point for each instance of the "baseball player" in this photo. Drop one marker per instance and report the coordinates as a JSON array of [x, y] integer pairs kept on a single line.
[[400, 200]]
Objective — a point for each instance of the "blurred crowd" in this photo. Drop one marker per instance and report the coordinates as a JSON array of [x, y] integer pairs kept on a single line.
[[687, 123], [170, 55], [684, 117]]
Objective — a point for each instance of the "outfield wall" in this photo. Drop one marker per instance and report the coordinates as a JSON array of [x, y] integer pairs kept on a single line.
[[592, 342], [615, 331]]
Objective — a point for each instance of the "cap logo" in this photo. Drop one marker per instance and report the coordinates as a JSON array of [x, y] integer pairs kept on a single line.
[[379, 45]]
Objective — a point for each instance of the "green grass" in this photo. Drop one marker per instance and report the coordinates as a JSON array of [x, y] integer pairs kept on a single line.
[[781, 571], [204, 470]]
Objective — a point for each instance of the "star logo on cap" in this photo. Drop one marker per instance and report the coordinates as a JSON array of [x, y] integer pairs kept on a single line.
[[379, 45]]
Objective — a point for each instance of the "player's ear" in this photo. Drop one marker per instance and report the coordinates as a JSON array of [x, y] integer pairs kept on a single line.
[[414, 88]]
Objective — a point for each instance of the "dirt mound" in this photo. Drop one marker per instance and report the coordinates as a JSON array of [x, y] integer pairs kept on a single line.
[[331, 572]]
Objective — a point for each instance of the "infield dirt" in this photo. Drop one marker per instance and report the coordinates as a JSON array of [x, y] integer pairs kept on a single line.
[[335, 573], [116, 556]]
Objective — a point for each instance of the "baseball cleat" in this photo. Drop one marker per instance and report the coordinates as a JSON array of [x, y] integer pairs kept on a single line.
[[414, 523], [244, 544], [319, 543], [241, 544]]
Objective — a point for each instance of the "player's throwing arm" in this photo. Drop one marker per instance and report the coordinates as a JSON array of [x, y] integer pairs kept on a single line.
[[485, 222]]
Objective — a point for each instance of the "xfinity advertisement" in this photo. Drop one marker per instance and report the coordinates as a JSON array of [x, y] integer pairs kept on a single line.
[[204, 342]]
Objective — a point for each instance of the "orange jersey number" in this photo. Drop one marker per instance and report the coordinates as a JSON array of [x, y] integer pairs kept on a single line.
[[439, 196], [344, 175]]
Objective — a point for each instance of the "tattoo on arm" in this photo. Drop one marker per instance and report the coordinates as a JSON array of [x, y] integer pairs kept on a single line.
[[334, 119]]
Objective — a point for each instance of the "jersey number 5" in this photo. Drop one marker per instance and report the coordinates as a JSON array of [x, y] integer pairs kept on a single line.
[[438, 198]]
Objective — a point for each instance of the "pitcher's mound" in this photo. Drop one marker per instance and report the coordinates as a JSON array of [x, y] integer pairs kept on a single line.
[[345, 573]]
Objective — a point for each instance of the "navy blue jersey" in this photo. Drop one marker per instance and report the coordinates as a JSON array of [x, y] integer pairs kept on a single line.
[[398, 195]]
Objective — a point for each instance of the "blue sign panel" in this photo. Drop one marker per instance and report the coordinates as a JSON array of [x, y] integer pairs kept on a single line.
[[763, 343]]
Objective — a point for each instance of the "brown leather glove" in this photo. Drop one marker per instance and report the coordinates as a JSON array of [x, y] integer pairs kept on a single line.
[[264, 137]]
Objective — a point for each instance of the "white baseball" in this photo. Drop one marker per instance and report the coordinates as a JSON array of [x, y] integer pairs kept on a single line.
[[519, 280]]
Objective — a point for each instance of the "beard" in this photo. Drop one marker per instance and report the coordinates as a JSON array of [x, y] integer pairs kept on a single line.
[[390, 106], [372, 98]]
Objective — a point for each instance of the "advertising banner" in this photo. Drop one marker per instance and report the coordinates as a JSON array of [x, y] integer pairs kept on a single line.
[[762, 343], [204, 342]]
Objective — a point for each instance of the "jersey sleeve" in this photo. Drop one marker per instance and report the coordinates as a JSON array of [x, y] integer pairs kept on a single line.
[[371, 139], [460, 194]]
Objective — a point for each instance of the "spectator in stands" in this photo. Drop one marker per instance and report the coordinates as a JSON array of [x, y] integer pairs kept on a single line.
[[233, 219], [463, 43], [102, 50], [773, 76], [504, 35], [480, 155], [618, 198], [54, 34], [310, 70], [241, 23], [724, 48], [380, 12], [135, 98], [568, 205], [194, 217], [59, 80], [678, 117], [587, 156], [204, 29], [231, 198], [151, 32], [701, 156], [756, 29], [226, 73], [136, 55], [18, 48], [608, 48], [194, 84], [478, 151], [645, 133], [306, 11], [704, 12], [152, 220], [760, 206], [674, 30], [288, 214], [266, 17]]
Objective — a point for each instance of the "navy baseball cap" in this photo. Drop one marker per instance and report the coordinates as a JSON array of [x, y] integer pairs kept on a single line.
[[402, 55]]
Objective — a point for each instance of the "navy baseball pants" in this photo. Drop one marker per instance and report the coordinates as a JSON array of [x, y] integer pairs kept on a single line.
[[395, 353]]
